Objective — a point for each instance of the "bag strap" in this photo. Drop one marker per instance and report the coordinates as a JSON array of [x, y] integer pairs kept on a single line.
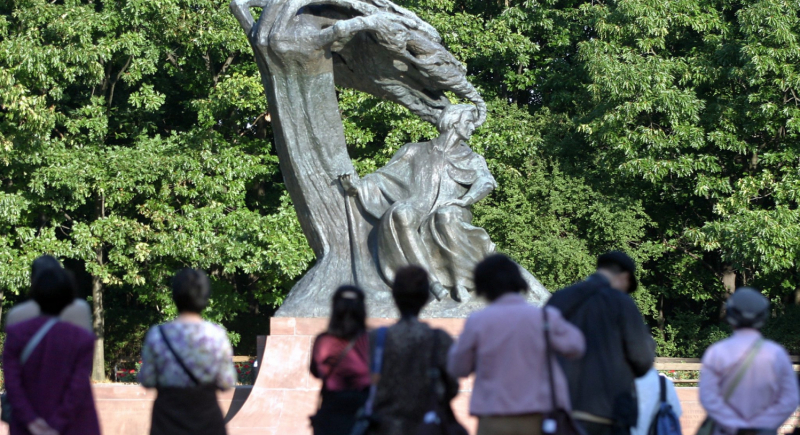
[[339, 359], [36, 339], [375, 368], [548, 356], [177, 357], [663, 388], [737, 378]]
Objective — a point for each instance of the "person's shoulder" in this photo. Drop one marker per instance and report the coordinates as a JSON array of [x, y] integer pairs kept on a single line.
[[215, 330], [442, 336], [777, 350], [21, 312]]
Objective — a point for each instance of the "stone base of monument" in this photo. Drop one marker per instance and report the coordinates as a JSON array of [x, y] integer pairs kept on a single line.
[[285, 394]]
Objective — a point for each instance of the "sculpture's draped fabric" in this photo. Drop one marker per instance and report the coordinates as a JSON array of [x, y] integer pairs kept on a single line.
[[410, 194]]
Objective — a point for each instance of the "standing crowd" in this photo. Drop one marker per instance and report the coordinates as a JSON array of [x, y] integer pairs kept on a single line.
[[581, 365]]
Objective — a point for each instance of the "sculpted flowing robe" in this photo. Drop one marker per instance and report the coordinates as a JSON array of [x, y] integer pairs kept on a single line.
[[408, 197]]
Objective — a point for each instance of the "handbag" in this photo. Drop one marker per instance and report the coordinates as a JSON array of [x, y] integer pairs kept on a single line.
[[709, 425], [5, 405], [439, 418], [558, 421], [318, 420], [366, 421]]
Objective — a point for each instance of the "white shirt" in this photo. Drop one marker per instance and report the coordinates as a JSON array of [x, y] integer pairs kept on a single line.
[[648, 391]]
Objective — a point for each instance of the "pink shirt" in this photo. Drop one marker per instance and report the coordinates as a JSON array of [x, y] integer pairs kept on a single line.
[[767, 394], [504, 346], [352, 370]]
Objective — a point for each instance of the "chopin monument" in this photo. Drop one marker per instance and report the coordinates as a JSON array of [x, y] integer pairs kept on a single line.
[[416, 209]]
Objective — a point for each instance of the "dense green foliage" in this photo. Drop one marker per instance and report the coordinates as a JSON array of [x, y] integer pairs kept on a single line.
[[135, 140]]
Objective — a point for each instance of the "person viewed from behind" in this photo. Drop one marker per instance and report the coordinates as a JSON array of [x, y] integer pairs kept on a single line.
[[747, 384], [410, 346], [77, 312], [648, 394], [47, 364], [340, 358], [187, 361], [504, 346], [619, 347]]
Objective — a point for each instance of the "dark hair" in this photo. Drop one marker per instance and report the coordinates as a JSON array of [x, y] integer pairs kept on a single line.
[[348, 314], [41, 264], [53, 289], [191, 290], [411, 290], [497, 275]]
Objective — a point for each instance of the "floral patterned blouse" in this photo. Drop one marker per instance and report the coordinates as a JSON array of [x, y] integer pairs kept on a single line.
[[203, 347]]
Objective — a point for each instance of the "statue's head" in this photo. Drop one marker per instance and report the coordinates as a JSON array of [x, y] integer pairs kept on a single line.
[[460, 118]]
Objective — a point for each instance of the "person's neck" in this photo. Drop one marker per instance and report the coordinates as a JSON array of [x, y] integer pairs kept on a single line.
[[610, 277], [187, 317], [407, 317]]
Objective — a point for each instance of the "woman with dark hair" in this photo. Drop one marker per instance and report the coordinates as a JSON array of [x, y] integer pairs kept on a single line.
[[504, 345], [187, 361], [412, 351], [47, 364], [77, 312], [340, 359]]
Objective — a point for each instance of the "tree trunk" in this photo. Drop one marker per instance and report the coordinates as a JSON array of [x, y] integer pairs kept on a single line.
[[99, 322], [99, 362], [729, 281]]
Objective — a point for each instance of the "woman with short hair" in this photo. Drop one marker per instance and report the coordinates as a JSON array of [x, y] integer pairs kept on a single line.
[[187, 361], [411, 348], [504, 345], [47, 364], [340, 358]]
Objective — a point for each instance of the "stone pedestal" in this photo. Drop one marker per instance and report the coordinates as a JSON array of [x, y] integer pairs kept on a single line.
[[285, 394]]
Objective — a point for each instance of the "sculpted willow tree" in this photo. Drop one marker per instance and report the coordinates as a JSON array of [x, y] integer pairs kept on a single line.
[[304, 49]]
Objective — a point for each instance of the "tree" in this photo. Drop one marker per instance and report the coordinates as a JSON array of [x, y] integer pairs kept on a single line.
[[134, 144]]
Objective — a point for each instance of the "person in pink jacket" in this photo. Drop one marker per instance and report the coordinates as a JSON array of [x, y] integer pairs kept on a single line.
[[747, 384], [504, 346]]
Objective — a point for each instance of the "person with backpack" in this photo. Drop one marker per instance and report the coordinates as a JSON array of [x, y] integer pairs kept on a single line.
[[659, 406], [504, 346], [340, 358], [619, 346], [187, 361], [412, 360], [47, 364], [747, 384]]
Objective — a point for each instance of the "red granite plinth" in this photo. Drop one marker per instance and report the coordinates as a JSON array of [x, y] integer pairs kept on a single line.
[[285, 394]]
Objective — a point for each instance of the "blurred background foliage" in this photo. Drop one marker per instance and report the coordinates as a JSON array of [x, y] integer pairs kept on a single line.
[[135, 139]]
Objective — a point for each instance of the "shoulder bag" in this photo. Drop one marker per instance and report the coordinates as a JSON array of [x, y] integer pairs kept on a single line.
[[438, 418], [5, 415], [558, 421], [365, 421], [709, 425]]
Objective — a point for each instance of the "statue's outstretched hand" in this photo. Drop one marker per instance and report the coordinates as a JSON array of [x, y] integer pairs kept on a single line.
[[349, 184]]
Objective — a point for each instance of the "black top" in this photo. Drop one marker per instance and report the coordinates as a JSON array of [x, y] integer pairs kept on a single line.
[[619, 347], [404, 387]]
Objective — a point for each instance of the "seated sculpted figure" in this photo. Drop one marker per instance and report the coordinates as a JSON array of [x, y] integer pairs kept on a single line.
[[422, 199]]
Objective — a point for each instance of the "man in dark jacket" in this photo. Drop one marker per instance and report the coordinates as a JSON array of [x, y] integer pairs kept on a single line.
[[619, 347]]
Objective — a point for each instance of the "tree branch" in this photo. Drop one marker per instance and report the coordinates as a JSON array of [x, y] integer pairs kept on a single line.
[[114, 83]]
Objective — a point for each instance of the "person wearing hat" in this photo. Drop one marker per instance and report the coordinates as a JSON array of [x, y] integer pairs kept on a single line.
[[619, 347], [747, 385]]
